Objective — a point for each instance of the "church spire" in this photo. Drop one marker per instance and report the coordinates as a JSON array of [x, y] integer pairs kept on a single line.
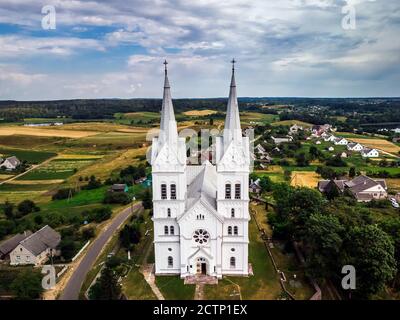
[[168, 127], [232, 130]]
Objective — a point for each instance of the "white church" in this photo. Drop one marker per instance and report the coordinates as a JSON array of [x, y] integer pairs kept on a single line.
[[201, 212]]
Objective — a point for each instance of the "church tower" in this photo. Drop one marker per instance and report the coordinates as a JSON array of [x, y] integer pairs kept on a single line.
[[168, 160], [233, 168]]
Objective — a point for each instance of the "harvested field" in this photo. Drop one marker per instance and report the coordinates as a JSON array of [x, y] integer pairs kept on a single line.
[[292, 122], [305, 179], [380, 144], [43, 132], [199, 113]]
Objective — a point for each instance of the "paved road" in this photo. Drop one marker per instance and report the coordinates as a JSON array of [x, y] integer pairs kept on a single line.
[[73, 287]]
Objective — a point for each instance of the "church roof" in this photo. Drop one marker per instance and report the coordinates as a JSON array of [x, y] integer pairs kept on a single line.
[[232, 129], [168, 127], [202, 186]]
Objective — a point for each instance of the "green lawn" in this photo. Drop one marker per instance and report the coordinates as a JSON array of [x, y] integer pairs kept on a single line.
[[172, 288], [136, 288], [8, 187], [82, 198]]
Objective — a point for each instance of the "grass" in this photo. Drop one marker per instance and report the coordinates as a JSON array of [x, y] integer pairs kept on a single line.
[[292, 122], [25, 141], [264, 285], [32, 157], [173, 288], [11, 187], [135, 286], [82, 198]]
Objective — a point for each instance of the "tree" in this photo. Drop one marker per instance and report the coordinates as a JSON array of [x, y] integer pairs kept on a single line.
[[129, 236], [323, 238], [27, 206], [314, 152], [92, 184], [116, 197], [371, 251], [106, 287], [67, 248], [352, 172], [147, 200], [8, 210], [266, 184], [27, 285]]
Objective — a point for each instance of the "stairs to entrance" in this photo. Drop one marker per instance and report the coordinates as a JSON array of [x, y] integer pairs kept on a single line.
[[201, 279]]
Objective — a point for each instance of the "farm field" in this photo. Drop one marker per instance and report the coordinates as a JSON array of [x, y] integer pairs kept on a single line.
[[292, 122], [31, 157], [199, 113], [305, 179], [56, 169], [43, 132], [380, 144]]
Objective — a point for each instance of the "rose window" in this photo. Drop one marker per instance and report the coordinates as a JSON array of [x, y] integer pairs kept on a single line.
[[201, 236]]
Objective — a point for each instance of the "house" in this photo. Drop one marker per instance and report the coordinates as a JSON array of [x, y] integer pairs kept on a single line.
[[369, 153], [331, 149], [119, 187], [363, 188], [280, 140], [11, 163], [340, 142], [344, 154], [36, 248], [319, 130], [330, 138], [318, 142], [354, 146], [9, 245], [260, 149], [294, 129], [254, 186]]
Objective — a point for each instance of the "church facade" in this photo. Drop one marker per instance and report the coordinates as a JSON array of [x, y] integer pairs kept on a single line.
[[201, 212]]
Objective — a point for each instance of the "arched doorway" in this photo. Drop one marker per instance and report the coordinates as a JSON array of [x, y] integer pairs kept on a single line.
[[201, 266]]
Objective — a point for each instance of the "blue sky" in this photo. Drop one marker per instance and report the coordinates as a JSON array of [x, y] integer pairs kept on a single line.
[[115, 48]]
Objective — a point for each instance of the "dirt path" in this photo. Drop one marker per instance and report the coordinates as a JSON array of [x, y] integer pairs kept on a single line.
[[199, 292]]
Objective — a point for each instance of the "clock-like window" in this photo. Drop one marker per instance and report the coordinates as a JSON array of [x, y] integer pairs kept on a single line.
[[201, 236]]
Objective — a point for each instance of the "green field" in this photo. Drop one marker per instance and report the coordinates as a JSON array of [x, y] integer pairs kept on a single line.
[[173, 288], [32, 157], [57, 169]]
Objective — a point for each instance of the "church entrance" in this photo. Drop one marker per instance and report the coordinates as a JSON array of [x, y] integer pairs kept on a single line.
[[201, 267]]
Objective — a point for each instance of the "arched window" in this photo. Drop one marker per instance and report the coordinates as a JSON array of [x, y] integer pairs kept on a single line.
[[237, 191], [169, 212], [165, 229], [173, 191], [235, 230], [229, 230], [171, 230], [228, 191], [163, 191], [170, 262], [232, 262], [232, 212]]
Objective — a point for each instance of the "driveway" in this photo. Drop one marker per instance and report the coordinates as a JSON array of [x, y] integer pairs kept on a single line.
[[73, 287]]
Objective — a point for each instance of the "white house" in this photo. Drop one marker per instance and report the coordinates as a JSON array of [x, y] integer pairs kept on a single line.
[[340, 142], [355, 146], [294, 129], [329, 138], [11, 163], [280, 140], [201, 212], [331, 149], [318, 142], [369, 153], [36, 248]]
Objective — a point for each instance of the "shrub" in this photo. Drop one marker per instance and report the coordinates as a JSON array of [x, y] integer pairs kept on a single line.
[[100, 214], [63, 194], [116, 197], [27, 206]]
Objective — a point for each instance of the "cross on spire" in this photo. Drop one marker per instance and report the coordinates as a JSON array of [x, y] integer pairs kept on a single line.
[[165, 64], [233, 64]]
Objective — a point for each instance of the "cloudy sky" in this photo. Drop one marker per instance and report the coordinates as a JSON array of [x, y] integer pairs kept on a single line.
[[115, 48]]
